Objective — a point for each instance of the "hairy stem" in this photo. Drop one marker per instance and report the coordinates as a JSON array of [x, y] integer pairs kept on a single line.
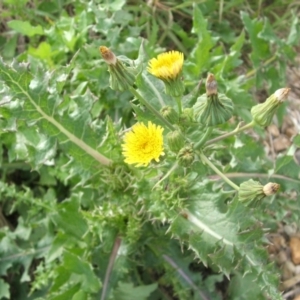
[[216, 170], [111, 262], [234, 132], [151, 108], [179, 105], [204, 138]]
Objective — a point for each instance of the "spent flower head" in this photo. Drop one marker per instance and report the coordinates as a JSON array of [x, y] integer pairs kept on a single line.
[[263, 113], [121, 77], [212, 108], [252, 192], [143, 143], [168, 67]]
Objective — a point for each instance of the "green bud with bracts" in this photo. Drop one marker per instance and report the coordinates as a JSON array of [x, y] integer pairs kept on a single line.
[[121, 77], [252, 192], [170, 114], [175, 140], [186, 156], [263, 113], [212, 109]]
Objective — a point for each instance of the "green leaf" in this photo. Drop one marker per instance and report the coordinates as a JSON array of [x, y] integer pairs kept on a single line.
[[25, 28], [69, 219], [38, 106], [296, 140], [227, 239], [260, 47], [200, 55], [90, 283], [126, 291], [283, 160], [68, 294], [80, 295], [293, 37], [4, 289]]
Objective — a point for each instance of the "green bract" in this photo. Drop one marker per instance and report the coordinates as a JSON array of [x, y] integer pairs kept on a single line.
[[175, 140], [213, 110]]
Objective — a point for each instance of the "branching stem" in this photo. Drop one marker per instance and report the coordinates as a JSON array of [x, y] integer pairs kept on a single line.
[[235, 131], [204, 138], [216, 170], [151, 108]]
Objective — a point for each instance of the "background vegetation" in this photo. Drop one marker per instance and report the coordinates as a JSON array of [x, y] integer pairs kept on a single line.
[[69, 225]]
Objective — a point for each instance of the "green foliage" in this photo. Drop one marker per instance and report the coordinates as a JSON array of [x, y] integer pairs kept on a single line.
[[75, 221]]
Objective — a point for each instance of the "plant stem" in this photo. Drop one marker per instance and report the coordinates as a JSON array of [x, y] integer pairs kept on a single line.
[[111, 262], [235, 131], [253, 72], [166, 176], [204, 137], [179, 105], [151, 108], [214, 168]]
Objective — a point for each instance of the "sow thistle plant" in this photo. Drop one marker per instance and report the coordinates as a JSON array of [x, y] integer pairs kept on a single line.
[[154, 178], [144, 143]]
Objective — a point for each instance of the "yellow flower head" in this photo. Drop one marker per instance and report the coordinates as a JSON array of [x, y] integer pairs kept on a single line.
[[142, 144], [167, 66]]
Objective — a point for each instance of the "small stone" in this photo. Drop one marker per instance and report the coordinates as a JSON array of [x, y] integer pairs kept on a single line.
[[273, 130], [291, 132], [281, 257], [295, 249], [287, 270], [290, 229], [281, 143]]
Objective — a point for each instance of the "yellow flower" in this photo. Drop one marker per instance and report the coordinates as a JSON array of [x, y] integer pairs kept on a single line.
[[167, 66], [142, 144]]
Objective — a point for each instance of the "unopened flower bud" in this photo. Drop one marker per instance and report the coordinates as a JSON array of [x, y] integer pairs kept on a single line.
[[271, 188], [263, 113], [186, 118], [252, 192], [175, 140], [212, 108], [170, 114], [121, 77], [186, 156]]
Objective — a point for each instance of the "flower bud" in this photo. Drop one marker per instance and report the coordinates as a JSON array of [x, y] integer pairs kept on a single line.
[[186, 156], [252, 192], [186, 118], [170, 114], [175, 140], [263, 113], [212, 108], [121, 77]]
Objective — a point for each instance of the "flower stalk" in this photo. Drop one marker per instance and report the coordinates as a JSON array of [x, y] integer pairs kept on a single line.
[[217, 171], [151, 108]]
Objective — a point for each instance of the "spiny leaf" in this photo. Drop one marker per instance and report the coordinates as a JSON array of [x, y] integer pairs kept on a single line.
[[227, 240], [126, 291], [38, 102]]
